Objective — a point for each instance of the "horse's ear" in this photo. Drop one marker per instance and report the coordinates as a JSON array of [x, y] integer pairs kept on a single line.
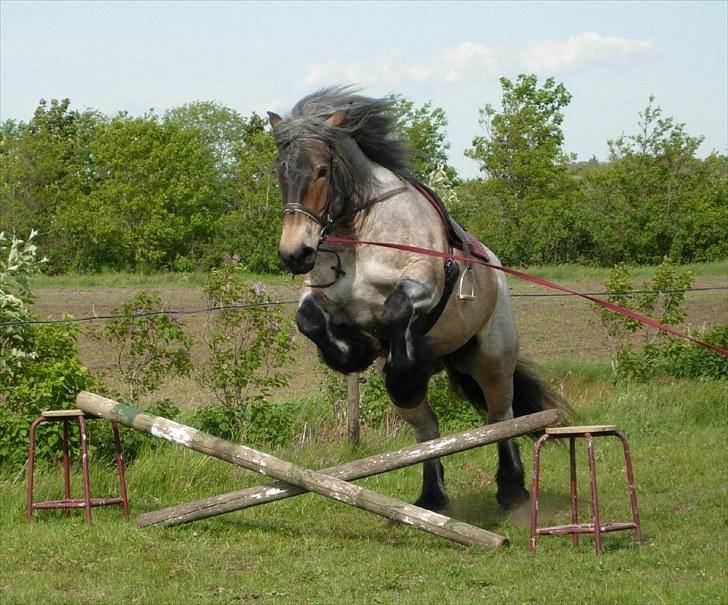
[[337, 119], [273, 118]]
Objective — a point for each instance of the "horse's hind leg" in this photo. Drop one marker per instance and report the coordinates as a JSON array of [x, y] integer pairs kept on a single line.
[[488, 385], [424, 423]]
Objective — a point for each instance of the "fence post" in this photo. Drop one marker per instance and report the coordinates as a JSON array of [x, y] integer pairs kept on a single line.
[[352, 411]]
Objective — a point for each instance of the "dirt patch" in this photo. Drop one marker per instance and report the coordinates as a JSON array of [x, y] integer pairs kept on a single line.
[[549, 327]]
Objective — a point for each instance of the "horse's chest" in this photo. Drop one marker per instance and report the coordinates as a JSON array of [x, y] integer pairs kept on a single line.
[[357, 298]]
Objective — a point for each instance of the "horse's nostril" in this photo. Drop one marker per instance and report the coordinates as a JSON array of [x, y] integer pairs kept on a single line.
[[300, 260], [307, 254]]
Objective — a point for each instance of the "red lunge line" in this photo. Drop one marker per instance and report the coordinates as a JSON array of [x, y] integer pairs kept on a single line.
[[332, 239]]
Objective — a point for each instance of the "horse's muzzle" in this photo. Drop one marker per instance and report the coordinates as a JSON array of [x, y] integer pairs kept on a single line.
[[300, 260]]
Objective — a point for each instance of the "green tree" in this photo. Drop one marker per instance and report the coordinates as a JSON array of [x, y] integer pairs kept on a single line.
[[656, 198], [424, 128], [44, 164], [522, 149], [154, 202], [526, 175], [250, 227]]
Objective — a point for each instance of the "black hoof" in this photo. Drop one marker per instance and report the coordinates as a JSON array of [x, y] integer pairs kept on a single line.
[[311, 320], [512, 497], [438, 504]]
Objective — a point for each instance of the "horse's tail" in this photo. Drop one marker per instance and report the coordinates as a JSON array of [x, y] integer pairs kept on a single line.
[[531, 395]]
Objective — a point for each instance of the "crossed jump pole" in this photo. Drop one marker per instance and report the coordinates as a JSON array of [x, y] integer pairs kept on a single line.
[[330, 482]]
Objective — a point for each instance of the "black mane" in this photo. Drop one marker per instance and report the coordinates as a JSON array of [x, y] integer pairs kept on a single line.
[[370, 123]]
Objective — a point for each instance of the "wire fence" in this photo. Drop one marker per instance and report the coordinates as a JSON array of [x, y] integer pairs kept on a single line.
[[182, 312]]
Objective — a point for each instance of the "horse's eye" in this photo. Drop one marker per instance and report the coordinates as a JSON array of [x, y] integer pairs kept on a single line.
[[323, 172]]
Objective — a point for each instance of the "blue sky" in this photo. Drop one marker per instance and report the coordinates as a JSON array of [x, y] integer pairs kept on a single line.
[[255, 56]]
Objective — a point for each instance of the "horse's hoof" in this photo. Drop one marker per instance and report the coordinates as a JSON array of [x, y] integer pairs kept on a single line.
[[439, 505], [510, 498]]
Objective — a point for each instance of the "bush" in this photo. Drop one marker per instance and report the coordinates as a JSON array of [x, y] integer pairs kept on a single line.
[[263, 423], [150, 344], [249, 340]]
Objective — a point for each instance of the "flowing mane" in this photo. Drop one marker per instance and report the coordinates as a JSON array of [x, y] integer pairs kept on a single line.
[[370, 123]]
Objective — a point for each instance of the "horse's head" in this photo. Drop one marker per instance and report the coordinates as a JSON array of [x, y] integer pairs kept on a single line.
[[306, 171]]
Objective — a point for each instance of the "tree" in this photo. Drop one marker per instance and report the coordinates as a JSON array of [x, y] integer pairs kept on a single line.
[[522, 147], [526, 169], [154, 201], [250, 227], [43, 164], [655, 198], [424, 129]]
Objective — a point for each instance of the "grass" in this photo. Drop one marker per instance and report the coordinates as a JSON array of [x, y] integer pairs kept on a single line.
[[312, 550], [567, 272], [117, 279]]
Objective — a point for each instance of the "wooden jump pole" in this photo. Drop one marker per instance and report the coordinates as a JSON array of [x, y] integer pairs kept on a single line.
[[267, 464], [357, 469]]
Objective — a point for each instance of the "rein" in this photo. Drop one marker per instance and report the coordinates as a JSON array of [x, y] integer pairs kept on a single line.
[[332, 239]]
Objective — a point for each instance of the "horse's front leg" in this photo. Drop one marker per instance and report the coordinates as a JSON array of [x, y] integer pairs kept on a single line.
[[407, 372], [409, 363], [344, 348]]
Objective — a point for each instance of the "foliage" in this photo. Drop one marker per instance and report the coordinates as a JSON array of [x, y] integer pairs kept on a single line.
[[528, 208], [18, 261], [250, 227], [424, 130], [249, 339], [686, 360], [662, 298], [150, 344], [655, 198], [39, 364], [182, 190], [522, 148]]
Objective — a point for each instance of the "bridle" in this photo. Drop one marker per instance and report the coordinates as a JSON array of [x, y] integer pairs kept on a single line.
[[326, 220]]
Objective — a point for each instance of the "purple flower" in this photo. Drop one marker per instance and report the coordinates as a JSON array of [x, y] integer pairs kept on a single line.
[[259, 290], [174, 316]]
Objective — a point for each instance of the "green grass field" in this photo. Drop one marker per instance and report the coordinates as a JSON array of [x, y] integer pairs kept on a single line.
[[312, 550]]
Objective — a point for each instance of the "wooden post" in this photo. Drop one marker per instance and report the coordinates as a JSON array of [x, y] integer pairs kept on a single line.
[[366, 467], [267, 464], [352, 410]]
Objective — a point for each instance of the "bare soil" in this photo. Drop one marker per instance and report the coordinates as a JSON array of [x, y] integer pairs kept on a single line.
[[550, 327]]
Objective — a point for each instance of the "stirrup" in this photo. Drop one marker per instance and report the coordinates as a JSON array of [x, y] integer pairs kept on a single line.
[[464, 295]]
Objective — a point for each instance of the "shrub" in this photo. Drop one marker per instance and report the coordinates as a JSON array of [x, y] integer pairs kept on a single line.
[[249, 340], [150, 344]]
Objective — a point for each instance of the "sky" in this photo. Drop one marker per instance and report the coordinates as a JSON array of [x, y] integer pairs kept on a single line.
[[260, 56]]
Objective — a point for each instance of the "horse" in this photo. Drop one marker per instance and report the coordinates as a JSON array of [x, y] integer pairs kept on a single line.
[[345, 175]]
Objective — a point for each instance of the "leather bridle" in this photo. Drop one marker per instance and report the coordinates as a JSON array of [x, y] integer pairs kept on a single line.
[[326, 220]]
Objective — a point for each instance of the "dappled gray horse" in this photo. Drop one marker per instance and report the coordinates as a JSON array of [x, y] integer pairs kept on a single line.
[[344, 175]]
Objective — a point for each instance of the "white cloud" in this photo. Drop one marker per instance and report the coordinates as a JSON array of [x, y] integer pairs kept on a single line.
[[470, 60], [584, 49]]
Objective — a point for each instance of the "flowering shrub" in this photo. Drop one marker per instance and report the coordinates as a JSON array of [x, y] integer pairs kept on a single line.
[[18, 261], [249, 340], [149, 344]]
